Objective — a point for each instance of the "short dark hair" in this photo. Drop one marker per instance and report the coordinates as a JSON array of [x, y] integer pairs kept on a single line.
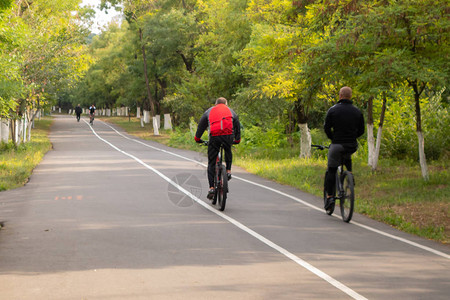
[[345, 93], [221, 100]]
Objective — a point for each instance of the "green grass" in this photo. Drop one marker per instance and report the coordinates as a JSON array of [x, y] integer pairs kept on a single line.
[[133, 126], [17, 163], [395, 194]]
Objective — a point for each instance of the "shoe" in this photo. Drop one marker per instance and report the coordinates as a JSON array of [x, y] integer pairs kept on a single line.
[[210, 195], [229, 176], [330, 203]]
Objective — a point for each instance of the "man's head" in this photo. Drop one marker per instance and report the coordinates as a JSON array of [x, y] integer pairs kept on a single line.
[[345, 93], [221, 100]]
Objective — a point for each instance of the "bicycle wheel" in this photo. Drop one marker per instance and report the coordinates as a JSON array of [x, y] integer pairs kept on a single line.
[[216, 183], [347, 201], [331, 209], [223, 189]]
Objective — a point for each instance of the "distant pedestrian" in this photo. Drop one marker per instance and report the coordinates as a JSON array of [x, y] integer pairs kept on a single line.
[[78, 111]]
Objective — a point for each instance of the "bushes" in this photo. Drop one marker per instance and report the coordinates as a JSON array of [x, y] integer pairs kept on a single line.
[[399, 133]]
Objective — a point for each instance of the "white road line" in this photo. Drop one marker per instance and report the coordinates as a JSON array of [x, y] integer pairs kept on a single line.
[[439, 253], [244, 228]]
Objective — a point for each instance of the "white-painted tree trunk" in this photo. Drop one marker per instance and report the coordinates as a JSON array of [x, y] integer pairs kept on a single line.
[[158, 119], [422, 158], [1, 130], [5, 130], [376, 154], [146, 116], [155, 126], [193, 127], [24, 130], [305, 140], [16, 131], [142, 122], [370, 144], [167, 121], [138, 112]]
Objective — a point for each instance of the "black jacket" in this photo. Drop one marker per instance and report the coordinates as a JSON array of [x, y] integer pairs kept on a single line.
[[344, 123], [78, 110]]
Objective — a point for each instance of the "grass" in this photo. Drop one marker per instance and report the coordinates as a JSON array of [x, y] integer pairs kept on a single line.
[[394, 194], [133, 126], [17, 163]]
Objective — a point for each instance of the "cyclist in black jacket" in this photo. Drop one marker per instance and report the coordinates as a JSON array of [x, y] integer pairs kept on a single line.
[[344, 123]]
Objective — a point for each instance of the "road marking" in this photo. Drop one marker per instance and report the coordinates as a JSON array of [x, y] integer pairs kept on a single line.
[[439, 253], [244, 228]]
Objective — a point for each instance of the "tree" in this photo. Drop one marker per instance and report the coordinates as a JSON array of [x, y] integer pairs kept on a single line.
[[11, 37], [275, 61], [414, 41], [45, 54]]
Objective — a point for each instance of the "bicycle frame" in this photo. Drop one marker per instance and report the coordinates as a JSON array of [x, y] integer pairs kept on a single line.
[[344, 190], [220, 181]]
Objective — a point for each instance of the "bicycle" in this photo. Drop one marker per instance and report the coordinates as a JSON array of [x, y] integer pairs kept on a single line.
[[91, 120], [220, 181], [345, 190]]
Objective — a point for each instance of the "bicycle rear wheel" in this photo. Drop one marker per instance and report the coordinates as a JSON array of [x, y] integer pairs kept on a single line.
[[223, 189], [347, 202], [217, 176]]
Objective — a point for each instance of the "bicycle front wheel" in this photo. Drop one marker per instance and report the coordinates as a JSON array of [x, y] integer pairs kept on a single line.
[[347, 202], [223, 189]]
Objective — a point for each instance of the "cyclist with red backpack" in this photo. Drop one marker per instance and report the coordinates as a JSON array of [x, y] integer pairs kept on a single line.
[[224, 129]]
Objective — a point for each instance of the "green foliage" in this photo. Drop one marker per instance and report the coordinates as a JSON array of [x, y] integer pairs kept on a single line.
[[399, 135], [17, 162]]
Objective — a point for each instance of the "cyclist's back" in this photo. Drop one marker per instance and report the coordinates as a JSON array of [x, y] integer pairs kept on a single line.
[[224, 130], [92, 109], [344, 123]]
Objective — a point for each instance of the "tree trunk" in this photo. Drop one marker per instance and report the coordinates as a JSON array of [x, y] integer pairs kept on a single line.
[[13, 131], [370, 138], [422, 158], [31, 122], [305, 140], [380, 130], [305, 137], [147, 83], [290, 127]]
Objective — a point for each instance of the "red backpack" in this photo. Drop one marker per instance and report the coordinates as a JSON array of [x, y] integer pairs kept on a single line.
[[220, 120]]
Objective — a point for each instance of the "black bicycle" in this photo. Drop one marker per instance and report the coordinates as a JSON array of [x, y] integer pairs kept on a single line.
[[344, 188], [91, 119], [220, 181]]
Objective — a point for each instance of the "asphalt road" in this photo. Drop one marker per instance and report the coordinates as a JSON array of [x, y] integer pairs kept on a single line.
[[109, 216]]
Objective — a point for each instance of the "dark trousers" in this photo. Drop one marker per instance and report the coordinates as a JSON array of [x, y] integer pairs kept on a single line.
[[213, 150], [338, 153]]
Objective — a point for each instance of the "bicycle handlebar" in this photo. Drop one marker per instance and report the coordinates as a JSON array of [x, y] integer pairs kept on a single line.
[[321, 147]]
